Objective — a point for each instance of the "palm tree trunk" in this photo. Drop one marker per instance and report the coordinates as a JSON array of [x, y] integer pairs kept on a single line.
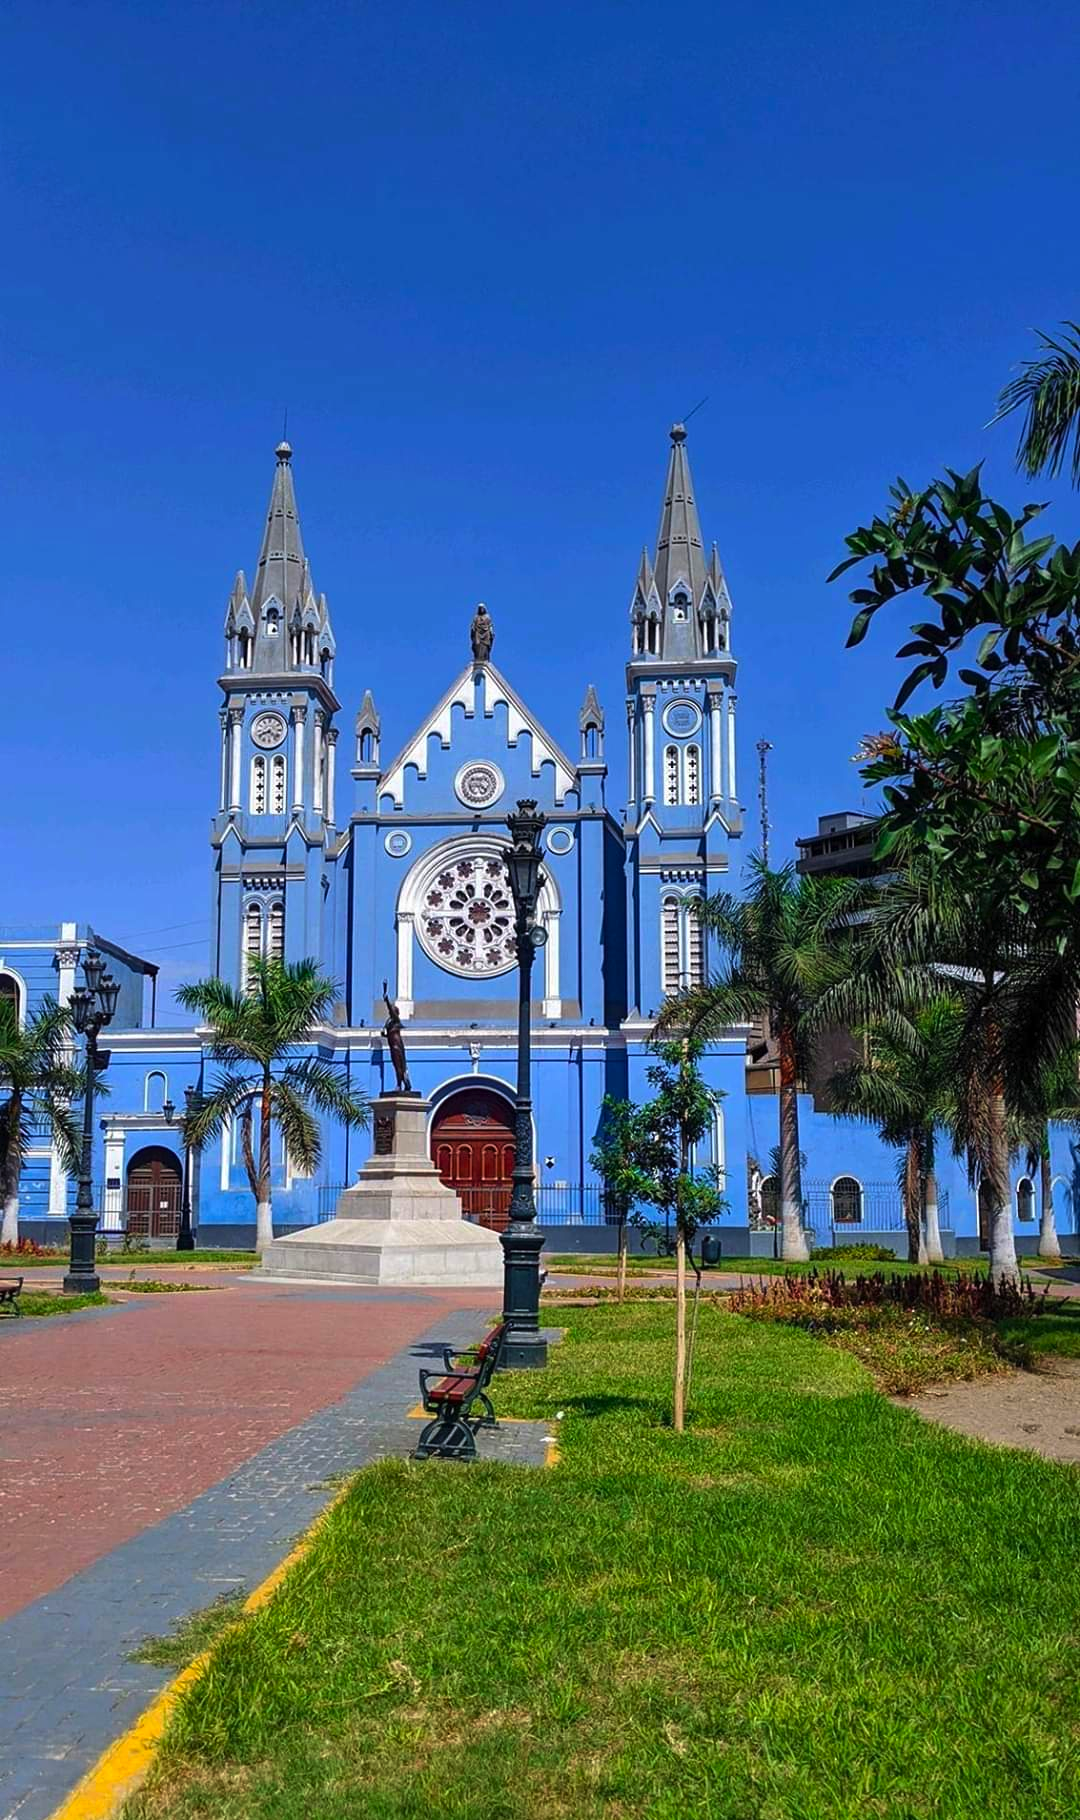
[[9, 1176], [1003, 1265], [793, 1246], [264, 1218], [934, 1252], [916, 1249], [1048, 1238]]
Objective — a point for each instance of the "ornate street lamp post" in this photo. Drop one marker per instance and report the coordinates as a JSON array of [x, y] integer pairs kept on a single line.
[[92, 1007], [522, 1242], [185, 1238]]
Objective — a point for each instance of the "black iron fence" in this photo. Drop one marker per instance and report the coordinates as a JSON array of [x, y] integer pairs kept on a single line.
[[841, 1207]]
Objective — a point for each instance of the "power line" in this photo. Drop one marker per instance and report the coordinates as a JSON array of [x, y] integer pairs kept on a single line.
[[197, 922]]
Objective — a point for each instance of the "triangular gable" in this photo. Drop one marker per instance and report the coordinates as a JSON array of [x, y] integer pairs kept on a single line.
[[485, 682]]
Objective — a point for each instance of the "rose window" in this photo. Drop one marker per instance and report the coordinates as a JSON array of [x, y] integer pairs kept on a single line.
[[466, 922]]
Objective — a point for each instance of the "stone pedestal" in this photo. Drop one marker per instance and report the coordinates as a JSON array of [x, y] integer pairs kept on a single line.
[[398, 1224]]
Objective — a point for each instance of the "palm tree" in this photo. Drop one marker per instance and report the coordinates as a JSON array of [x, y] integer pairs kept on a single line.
[[1016, 995], [786, 951], [1054, 1094], [903, 1085], [37, 1074], [256, 1034], [1047, 390]]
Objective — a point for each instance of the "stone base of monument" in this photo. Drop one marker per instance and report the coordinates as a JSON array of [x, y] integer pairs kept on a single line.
[[397, 1224]]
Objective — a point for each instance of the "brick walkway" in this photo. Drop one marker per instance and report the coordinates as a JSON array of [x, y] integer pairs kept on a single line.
[[158, 1453]]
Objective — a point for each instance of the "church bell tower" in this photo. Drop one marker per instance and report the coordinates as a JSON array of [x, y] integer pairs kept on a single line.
[[274, 832], [683, 809]]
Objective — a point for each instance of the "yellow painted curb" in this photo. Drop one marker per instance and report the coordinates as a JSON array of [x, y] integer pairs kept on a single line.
[[123, 1765]]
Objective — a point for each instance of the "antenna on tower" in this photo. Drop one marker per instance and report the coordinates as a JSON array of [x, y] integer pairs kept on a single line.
[[764, 747], [697, 407]]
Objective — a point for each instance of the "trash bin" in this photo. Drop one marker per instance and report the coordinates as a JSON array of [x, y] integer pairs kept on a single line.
[[710, 1248]]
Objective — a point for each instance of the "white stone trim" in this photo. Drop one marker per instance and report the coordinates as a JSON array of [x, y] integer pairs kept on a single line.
[[729, 710], [236, 722], [716, 760], [113, 1201], [648, 703], [463, 693]]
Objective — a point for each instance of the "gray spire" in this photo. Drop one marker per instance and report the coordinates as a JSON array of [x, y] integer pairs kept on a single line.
[[679, 569], [283, 626]]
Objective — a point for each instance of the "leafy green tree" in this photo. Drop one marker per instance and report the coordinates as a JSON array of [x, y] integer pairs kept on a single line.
[[787, 955], [989, 782], [658, 1169], [904, 1086], [1047, 390], [982, 794], [38, 1082], [257, 1034], [620, 1142]]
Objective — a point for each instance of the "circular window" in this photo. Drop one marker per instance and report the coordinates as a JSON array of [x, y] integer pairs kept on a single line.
[[466, 919], [559, 840], [398, 844], [268, 730], [681, 718], [479, 785]]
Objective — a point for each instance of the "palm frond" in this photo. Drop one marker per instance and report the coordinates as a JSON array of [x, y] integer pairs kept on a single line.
[[299, 1129], [1047, 391], [323, 1086]]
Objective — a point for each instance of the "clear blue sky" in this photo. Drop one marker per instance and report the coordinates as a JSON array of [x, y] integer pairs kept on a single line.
[[485, 254]]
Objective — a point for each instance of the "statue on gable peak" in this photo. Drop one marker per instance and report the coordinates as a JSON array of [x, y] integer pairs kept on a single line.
[[482, 634]]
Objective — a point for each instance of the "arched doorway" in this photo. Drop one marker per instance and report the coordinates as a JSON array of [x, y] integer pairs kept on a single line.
[[472, 1147], [153, 1193]]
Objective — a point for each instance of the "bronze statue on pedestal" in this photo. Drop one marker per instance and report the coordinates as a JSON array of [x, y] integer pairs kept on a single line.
[[395, 1042]]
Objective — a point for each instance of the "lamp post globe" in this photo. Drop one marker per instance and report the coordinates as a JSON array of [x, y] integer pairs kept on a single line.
[[93, 1006], [523, 1348]]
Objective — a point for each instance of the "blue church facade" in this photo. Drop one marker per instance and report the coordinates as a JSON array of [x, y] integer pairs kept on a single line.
[[384, 862], [383, 859]]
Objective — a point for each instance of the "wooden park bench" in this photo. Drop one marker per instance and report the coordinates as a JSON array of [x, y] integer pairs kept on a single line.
[[10, 1291], [449, 1396]]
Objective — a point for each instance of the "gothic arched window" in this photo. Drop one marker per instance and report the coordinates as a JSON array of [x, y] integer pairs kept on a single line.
[[1025, 1199], [277, 786], [671, 775], [257, 795], [275, 932], [253, 932], [682, 957]]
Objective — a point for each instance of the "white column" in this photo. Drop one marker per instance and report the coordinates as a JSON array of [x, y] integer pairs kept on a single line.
[[716, 754], [226, 1152], [114, 1173], [631, 755], [223, 804], [317, 764], [730, 708], [67, 959], [236, 722], [299, 715], [552, 1001], [331, 756], [648, 794], [405, 962]]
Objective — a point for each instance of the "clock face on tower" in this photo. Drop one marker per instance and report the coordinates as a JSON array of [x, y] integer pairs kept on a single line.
[[268, 730]]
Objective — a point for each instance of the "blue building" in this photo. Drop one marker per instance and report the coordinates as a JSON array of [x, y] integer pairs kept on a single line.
[[386, 864]]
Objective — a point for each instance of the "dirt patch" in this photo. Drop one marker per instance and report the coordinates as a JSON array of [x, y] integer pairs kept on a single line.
[[1036, 1410]]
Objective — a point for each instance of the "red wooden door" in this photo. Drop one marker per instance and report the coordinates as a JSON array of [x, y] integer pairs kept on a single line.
[[153, 1196], [472, 1146]]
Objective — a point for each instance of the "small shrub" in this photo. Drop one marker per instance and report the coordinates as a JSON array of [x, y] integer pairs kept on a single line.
[[29, 1248], [856, 1254], [971, 1296]]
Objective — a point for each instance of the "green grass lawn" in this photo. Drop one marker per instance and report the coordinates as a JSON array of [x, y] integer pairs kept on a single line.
[[14, 1264], [40, 1302], [812, 1606], [604, 1264]]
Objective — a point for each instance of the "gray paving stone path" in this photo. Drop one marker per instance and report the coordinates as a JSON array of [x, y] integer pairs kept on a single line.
[[67, 1687]]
